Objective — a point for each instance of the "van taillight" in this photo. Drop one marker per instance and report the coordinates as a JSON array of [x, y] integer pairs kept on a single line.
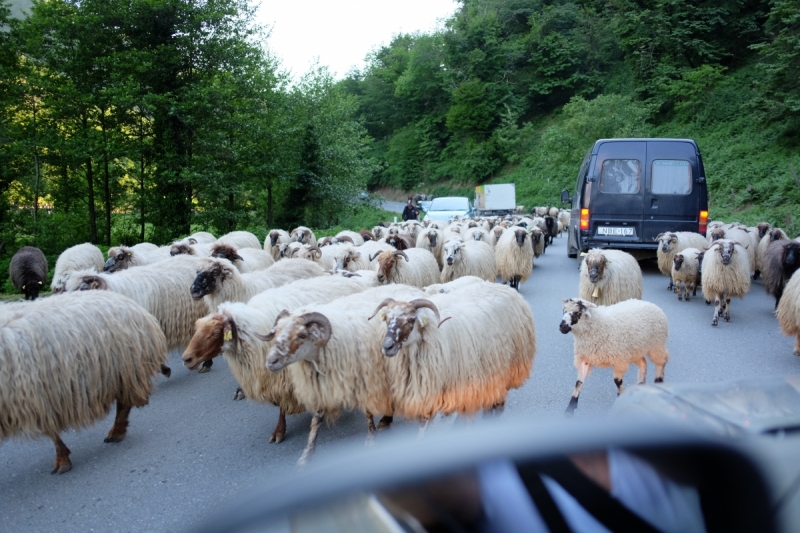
[[703, 221], [584, 219]]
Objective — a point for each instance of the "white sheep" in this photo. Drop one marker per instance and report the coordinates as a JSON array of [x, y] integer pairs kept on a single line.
[[67, 359], [275, 238], [537, 241], [240, 239], [79, 257], [415, 267], [124, 257], [788, 311], [471, 258], [431, 239], [495, 234], [457, 352], [726, 273], [245, 259], [356, 238], [609, 276], [201, 237], [450, 286], [670, 243], [303, 235], [348, 257], [218, 280], [477, 234], [513, 257], [686, 271], [289, 250], [617, 336], [371, 249], [333, 356], [183, 247]]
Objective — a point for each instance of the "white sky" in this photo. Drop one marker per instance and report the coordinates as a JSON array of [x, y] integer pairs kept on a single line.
[[342, 32]]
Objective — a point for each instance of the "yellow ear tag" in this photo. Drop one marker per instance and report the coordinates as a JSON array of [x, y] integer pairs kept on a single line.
[[383, 316], [228, 335], [423, 321], [596, 292]]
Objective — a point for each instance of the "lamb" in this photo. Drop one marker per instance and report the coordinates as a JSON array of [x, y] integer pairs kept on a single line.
[[125, 257], [671, 243], [513, 257], [788, 311], [431, 239], [28, 271], [219, 281], [617, 336], [453, 365], [418, 270], [471, 258], [274, 238], [726, 273], [79, 257], [609, 276], [781, 261], [230, 331], [67, 359], [686, 271], [333, 356], [776, 234], [303, 235], [245, 259], [240, 239]]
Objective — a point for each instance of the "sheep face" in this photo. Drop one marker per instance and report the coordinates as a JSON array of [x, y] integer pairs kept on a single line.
[[297, 338], [717, 234], [119, 261], [574, 309], [31, 288], [394, 230], [386, 263], [207, 278], [775, 235], [666, 240], [452, 251], [274, 235], [209, 336], [519, 235], [343, 261], [596, 266], [791, 256], [432, 238], [404, 322], [763, 228], [678, 261], [301, 235], [379, 232], [536, 235], [92, 283], [725, 250], [225, 251], [180, 249], [498, 232]]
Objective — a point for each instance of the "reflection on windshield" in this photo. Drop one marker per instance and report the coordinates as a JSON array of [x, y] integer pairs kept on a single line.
[[450, 204]]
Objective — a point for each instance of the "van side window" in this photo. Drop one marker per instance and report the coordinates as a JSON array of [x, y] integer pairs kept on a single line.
[[620, 176], [671, 176]]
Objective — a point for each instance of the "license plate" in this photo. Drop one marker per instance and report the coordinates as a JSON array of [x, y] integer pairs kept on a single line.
[[615, 231]]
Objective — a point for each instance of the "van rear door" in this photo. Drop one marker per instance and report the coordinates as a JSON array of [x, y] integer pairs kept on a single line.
[[671, 194], [618, 180]]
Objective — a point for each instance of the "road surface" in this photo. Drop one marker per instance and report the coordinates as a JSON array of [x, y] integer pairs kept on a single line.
[[397, 207], [193, 448]]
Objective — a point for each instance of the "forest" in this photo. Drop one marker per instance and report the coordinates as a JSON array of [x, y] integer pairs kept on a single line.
[[518, 90], [124, 121]]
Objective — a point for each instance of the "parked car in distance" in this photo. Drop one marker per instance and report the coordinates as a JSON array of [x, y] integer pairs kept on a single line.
[[630, 190], [447, 207], [424, 205]]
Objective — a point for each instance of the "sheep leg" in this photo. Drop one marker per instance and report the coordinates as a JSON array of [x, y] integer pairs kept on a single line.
[[370, 429], [62, 464], [120, 427], [796, 345], [385, 422], [642, 364], [308, 451], [756, 274], [619, 373], [239, 394], [778, 295], [727, 307], [660, 373], [165, 370], [717, 310], [280, 430], [679, 290], [423, 425], [583, 373], [206, 366]]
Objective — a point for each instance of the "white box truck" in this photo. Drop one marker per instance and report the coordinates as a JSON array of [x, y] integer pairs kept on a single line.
[[500, 199]]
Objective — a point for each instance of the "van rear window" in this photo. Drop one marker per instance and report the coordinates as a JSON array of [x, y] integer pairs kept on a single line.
[[671, 176], [620, 176]]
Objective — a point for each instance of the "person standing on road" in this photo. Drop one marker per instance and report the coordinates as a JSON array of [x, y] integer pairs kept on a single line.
[[410, 212]]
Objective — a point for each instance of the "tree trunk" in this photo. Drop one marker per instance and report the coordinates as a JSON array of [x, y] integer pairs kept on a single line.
[[92, 213], [107, 179], [269, 205], [231, 217], [141, 196]]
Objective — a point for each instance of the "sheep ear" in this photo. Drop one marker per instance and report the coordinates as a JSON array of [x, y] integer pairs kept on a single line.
[[355, 255], [130, 254], [40, 283], [463, 244]]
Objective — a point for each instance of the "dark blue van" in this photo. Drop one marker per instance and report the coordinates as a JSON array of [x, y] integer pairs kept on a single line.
[[630, 190]]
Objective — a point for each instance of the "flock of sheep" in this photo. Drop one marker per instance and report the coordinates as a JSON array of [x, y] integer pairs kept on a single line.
[[390, 321]]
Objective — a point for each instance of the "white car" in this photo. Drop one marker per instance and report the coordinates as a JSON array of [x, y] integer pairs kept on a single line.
[[447, 207]]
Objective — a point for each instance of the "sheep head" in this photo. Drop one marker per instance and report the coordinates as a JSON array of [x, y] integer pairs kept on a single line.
[[181, 248], [274, 235], [432, 237], [763, 229], [498, 232], [678, 260], [574, 309], [452, 251], [379, 232], [210, 335], [120, 260], [536, 235], [345, 256], [519, 235], [726, 249], [791, 255], [213, 272], [775, 235], [301, 234], [717, 234], [386, 264], [225, 251], [90, 282], [400, 242], [666, 240], [394, 230], [296, 337], [404, 322], [596, 263]]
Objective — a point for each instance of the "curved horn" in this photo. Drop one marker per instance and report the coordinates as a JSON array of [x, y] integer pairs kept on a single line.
[[271, 335], [372, 257], [315, 249], [400, 252], [323, 322], [383, 304], [345, 238], [742, 245], [422, 302], [658, 237]]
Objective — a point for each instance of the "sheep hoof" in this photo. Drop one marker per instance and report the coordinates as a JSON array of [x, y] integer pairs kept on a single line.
[[62, 468], [708, 302], [797, 353], [714, 322], [204, 369], [277, 438], [659, 380], [166, 371], [114, 438], [239, 395]]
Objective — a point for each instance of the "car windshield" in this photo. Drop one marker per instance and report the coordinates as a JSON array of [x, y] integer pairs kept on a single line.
[[450, 204]]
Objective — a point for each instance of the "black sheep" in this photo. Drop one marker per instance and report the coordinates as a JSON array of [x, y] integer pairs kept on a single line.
[[28, 271], [781, 260], [552, 229]]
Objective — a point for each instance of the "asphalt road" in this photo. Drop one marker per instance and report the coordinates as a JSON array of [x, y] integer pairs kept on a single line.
[[397, 207], [193, 448]]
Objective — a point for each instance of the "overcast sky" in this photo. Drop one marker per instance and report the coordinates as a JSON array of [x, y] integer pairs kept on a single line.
[[341, 32]]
